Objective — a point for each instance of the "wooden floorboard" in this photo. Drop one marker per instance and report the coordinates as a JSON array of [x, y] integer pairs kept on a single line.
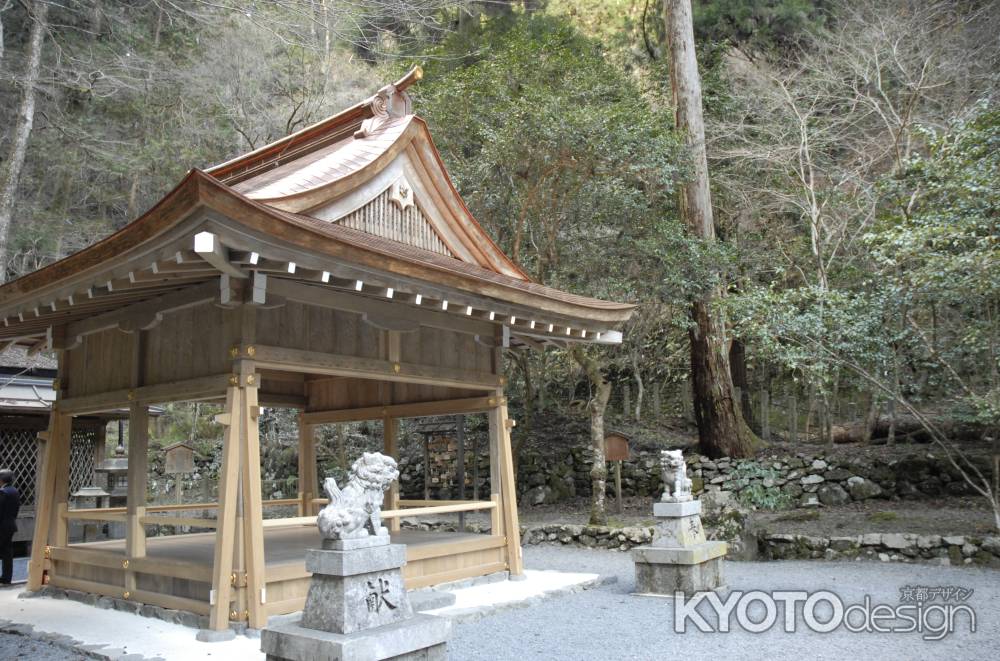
[[281, 545]]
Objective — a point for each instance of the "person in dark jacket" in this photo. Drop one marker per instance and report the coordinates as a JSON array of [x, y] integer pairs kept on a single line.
[[10, 503]]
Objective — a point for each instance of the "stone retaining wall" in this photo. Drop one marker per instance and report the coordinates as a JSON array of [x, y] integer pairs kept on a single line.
[[784, 481], [901, 547]]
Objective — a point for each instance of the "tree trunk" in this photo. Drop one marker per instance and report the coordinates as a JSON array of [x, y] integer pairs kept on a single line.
[[870, 418], [738, 371], [793, 415], [657, 402], [626, 399], [597, 405], [765, 412], [22, 129], [521, 358], [640, 391], [721, 429]]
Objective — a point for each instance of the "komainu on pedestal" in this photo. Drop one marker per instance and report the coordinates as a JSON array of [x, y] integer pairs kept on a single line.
[[357, 606], [679, 559]]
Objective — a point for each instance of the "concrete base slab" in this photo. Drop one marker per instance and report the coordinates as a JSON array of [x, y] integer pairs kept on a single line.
[[689, 555], [420, 637], [425, 600], [685, 508], [353, 543], [668, 579], [350, 563], [212, 636]]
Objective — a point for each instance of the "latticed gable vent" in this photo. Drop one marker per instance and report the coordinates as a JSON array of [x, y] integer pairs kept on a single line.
[[394, 215]]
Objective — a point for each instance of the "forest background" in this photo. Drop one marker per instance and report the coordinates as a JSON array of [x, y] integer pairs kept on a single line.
[[853, 146]]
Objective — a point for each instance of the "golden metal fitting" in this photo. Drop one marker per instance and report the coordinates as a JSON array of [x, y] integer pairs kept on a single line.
[[396, 367], [234, 380], [251, 351], [250, 379], [234, 351], [48, 552], [233, 615], [232, 579], [491, 401], [124, 564], [56, 384], [503, 380], [131, 395], [126, 594]]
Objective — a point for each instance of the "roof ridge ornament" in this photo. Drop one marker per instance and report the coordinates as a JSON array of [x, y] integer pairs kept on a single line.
[[389, 103]]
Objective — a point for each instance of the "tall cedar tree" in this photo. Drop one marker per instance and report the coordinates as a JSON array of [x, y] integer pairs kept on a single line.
[[721, 428]]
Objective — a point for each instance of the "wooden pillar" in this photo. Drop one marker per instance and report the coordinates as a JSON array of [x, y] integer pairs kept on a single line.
[[135, 504], [250, 487], [222, 566], [460, 465], [427, 467], [52, 481], [100, 446], [496, 514], [308, 488], [509, 492], [390, 445], [475, 467]]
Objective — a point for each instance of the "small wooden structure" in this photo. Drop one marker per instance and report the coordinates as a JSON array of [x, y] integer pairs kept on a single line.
[[26, 397], [178, 459], [336, 271], [616, 449]]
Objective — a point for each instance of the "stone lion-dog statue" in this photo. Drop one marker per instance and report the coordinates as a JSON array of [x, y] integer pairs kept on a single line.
[[356, 510], [676, 485]]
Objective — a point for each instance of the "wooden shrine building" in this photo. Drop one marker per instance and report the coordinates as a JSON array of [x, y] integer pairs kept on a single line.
[[336, 271]]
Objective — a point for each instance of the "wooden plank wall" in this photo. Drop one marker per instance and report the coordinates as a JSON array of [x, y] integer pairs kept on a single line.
[[186, 344], [195, 342], [310, 328]]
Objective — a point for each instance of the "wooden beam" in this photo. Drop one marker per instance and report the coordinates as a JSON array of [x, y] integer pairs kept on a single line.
[[143, 315], [307, 467], [509, 492], [200, 388], [315, 362], [415, 410], [55, 455], [138, 472], [210, 248], [229, 476], [252, 510], [382, 310], [390, 432]]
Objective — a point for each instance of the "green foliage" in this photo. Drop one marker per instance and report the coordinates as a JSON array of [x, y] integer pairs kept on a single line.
[[766, 25], [749, 477], [557, 153], [937, 251]]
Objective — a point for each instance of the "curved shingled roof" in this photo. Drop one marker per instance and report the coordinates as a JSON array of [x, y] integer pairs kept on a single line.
[[289, 202]]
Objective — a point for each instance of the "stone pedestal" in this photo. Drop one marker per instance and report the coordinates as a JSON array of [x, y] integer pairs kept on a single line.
[[679, 558], [357, 609]]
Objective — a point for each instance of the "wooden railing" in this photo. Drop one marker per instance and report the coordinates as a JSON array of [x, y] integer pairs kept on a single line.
[[118, 514], [406, 510]]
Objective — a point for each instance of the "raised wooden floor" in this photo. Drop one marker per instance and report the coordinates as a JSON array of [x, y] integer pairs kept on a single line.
[[176, 571]]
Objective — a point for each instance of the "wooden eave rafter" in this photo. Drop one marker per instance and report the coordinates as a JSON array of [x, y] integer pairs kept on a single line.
[[65, 292]]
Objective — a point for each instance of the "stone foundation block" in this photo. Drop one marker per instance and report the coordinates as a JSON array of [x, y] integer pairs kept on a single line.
[[668, 579], [421, 637], [687, 508]]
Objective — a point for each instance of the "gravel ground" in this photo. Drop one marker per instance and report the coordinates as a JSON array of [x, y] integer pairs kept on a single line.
[[608, 622], [13, 646]]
